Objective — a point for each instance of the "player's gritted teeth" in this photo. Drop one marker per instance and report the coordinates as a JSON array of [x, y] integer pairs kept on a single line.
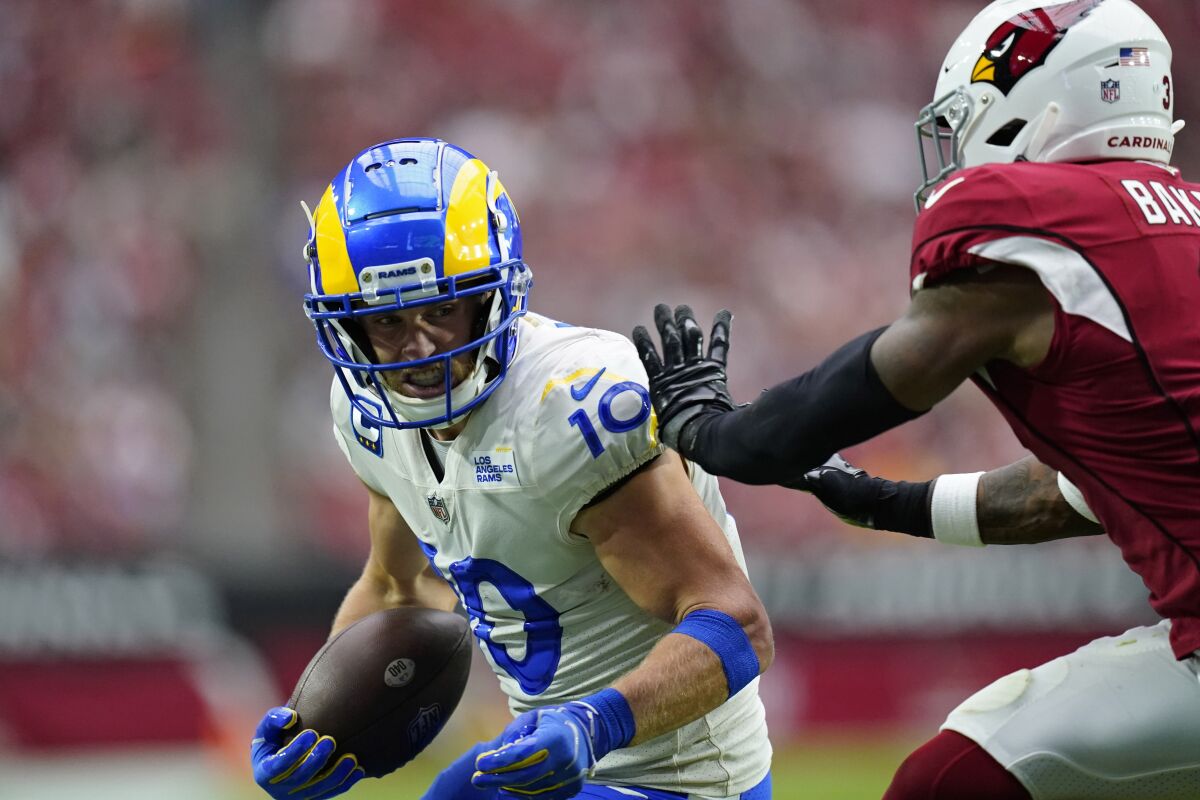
[[423, 383], [432, 376], [428, 381]]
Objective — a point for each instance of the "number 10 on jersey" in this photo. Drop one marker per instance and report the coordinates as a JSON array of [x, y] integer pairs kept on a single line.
[[610, 421]]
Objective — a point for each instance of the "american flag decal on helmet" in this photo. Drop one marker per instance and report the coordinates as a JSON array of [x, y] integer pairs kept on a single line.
[[1135, 57]]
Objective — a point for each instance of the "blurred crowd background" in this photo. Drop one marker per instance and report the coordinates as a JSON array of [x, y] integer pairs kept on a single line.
[[170, 493]]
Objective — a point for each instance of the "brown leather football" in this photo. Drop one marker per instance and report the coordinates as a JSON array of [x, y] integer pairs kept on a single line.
[[384, 687]]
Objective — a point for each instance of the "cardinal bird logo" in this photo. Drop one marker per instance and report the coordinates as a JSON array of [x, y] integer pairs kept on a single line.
[[1024, 42]]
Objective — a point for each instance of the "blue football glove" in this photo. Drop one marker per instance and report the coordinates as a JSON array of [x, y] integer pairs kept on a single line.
[[454, 782], [546, 753], [296, 771]]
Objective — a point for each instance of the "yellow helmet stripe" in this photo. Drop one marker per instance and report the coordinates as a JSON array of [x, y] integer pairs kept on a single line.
[[337, 273], [467, 221]]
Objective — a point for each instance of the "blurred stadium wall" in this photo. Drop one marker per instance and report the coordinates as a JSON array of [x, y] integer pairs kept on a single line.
[[176, 525]]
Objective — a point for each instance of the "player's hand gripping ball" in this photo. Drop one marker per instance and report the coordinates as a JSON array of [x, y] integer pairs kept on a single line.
[[298, 770], [377, 693], [384, 687], [686, 385], [546, 753]]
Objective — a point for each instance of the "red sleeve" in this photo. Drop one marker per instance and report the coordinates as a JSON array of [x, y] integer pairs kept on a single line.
[[967, 209]]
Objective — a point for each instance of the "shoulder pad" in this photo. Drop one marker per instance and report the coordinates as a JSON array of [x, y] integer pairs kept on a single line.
[[594, 421], [359, 440], [969, 207]]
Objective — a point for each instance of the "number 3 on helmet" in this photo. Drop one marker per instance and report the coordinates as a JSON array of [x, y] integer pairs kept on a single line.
[[1073, 80], [411, 223]]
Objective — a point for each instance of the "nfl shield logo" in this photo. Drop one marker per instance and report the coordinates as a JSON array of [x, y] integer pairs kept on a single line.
[[424, 727], [438, 506], [1110, 91]]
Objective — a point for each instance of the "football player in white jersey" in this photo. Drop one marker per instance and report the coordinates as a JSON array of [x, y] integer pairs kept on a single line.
[[512, 466]]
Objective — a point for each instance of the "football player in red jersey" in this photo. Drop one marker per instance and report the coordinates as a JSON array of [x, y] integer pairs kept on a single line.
[[1054, 264]]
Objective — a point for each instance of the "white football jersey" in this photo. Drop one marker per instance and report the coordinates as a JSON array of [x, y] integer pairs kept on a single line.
[[572, 418]]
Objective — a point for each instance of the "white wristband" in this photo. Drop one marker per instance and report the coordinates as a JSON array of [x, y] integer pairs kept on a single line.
[[1074, 498], [952, 509]]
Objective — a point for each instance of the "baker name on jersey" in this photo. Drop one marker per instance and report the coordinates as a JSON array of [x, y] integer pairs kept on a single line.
[[1158, 203], [494, 468]]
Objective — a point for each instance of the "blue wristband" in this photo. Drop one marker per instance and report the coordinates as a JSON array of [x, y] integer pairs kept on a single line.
[[615, 726], [723, 635]]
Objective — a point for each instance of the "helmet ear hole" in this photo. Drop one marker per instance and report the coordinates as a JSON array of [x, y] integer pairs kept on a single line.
[[1008, 133]]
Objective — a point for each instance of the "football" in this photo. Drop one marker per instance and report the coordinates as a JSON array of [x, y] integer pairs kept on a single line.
[[384, 687]]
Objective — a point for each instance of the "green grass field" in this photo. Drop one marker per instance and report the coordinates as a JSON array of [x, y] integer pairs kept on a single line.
[[813, 769]]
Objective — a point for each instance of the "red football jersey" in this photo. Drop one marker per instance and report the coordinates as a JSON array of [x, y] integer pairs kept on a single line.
[[1115, 406]]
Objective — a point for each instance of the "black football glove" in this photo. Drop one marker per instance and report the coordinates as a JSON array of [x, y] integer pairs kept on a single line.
[[868, 502], [686, 385]]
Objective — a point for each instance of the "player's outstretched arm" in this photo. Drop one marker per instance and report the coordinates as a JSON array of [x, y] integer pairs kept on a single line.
[[659, 543], [871, 384], [396, 573], [1025, 502]]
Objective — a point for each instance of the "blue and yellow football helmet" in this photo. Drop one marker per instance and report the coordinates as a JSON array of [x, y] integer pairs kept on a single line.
[[408, 223]]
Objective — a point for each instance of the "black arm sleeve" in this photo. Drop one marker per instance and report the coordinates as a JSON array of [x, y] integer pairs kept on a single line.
[[798, 424]]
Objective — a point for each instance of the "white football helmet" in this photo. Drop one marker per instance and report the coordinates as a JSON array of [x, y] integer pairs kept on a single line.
[[1072, 80]]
